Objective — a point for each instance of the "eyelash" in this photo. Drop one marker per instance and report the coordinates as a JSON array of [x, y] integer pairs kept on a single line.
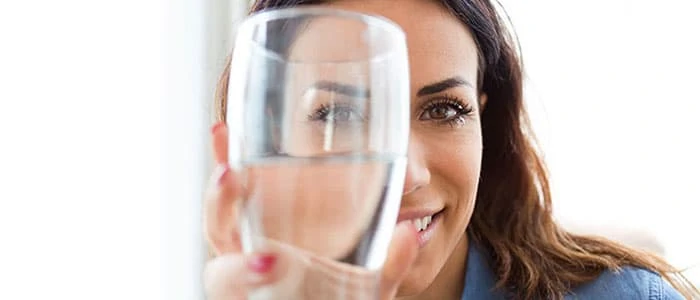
[[325, 110], [462, 109]]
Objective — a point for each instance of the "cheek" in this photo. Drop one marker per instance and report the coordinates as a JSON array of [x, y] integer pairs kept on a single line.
[[457, 162], [456, 165], [454, 161]]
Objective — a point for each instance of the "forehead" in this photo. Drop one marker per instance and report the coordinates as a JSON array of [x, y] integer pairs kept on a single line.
[[439, 44]]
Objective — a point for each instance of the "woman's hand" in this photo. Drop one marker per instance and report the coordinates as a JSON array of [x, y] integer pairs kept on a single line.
[[231, 274]]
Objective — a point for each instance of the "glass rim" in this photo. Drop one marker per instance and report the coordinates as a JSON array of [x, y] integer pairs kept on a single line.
[[265, 16]]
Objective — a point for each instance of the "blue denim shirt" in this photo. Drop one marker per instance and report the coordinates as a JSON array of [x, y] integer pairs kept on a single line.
[[630, 283]]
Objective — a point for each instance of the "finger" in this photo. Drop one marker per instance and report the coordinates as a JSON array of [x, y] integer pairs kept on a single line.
[[219, 134], [219, 207], [232, 276], [402, 253], [220, 224]]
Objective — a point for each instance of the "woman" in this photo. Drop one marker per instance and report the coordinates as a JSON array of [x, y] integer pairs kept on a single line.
[[471, 154]]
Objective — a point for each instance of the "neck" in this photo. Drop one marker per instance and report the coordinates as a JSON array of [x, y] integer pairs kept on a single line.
[[449, 283]]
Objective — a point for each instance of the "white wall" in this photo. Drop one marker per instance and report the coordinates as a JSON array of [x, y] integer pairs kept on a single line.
[[104, 110], [613, 89], [79, 141], [199, 36]]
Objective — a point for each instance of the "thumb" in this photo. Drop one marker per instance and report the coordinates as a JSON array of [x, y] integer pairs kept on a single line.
[[402, 253]]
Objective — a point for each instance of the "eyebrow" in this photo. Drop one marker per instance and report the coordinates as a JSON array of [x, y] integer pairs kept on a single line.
[[446, 84], [341, 88]]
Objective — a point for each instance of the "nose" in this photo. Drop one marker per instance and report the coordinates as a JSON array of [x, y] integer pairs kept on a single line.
[[417, 173]]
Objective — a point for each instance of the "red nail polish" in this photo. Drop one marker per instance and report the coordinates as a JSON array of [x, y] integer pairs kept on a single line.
[[262, 263], [217, 126], [224, 174]]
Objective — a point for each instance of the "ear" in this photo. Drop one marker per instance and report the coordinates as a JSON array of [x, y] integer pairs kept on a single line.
[[483, 99]]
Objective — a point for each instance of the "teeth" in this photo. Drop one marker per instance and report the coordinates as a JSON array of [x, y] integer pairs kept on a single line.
[[417, 223], [422, 223]]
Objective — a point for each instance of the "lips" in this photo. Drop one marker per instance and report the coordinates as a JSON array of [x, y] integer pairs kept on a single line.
[[416, 214], [425, 222]]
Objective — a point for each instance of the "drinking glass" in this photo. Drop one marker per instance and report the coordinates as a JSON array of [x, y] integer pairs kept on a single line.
[[318, 116]]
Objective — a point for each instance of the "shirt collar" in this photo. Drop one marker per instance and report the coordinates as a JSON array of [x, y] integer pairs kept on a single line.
[[479, 280]]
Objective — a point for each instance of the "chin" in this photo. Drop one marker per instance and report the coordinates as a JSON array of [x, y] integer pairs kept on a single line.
[[421, 275], [435, 256], [414, 284]]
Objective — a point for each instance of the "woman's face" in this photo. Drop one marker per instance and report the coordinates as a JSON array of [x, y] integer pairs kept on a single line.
[[445, 144]]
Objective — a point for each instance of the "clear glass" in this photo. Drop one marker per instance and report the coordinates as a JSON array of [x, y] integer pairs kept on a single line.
[[318, 113]]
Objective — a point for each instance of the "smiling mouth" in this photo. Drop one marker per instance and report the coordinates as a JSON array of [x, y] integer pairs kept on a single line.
[[422, 224]]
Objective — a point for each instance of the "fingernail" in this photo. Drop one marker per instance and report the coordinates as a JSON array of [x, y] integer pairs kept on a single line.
[[262, 263], [224, 171], [217, 126]]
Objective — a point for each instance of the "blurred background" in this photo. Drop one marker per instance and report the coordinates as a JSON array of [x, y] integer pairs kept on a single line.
[[105, 110]]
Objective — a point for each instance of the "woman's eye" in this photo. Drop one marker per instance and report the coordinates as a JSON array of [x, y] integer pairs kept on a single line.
[[439, 112], [337, 114], [446, 111]]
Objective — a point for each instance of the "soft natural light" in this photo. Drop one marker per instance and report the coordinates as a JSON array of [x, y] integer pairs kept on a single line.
[[79, 110], [85, 87], [612, 89]]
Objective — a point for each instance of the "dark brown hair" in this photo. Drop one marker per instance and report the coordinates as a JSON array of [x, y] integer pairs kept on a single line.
[[532, 256]]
